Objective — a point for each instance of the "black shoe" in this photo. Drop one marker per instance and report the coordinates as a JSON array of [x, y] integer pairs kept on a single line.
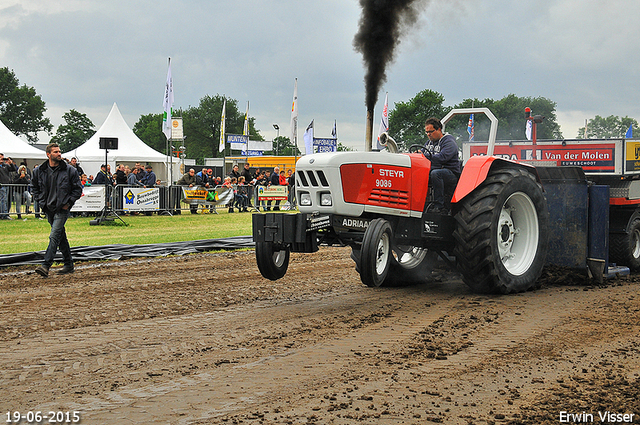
[[67, 270], [230, 210], [43, 270]]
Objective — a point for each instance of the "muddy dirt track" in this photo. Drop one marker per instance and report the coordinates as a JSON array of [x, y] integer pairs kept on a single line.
[[205, 339]]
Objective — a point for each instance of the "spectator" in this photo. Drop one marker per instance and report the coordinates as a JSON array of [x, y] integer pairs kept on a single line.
[[141, 173], [202, 178], [21, 193], [291, 180], [102, 178], [132, 178], [234, 172], [74, 164], [84, 181], [275, 181], [90, 179], [246, 173], [7, 168], [189, 179], [266, 182], [36, 205], [150, 179], [121, 175], [210, 177], [283, 179], [242, 195]]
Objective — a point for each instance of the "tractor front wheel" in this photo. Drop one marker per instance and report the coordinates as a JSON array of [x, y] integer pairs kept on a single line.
[[375, 255], [273, 260]]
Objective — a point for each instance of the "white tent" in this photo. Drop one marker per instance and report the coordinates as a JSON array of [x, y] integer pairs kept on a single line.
[[16, 148], [130, 149]]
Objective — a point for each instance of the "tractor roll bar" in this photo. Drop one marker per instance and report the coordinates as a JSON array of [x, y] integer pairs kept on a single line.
[[494, 123]]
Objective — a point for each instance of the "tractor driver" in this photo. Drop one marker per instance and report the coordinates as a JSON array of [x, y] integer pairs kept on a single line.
[[442, 151]]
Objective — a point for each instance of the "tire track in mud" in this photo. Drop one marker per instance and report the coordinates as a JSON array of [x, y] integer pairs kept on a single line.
[[315, 346]]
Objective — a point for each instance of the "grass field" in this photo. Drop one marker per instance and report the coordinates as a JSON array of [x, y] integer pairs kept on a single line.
[[33, 234]]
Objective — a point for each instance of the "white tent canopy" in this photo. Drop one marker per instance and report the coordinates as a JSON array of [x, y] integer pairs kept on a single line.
[[16, 148], [130, 149]]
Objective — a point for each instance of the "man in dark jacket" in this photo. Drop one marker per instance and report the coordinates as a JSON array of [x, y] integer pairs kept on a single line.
[[102, 177], [7, 168], [56, 187], [150, 177], [442, 151]]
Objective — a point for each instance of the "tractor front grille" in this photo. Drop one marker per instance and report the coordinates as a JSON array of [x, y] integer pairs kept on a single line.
[[389, 198]]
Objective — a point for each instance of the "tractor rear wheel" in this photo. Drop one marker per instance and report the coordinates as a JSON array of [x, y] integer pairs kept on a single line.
[[501, 233], [375, 255], [624, 249], [273, 260]]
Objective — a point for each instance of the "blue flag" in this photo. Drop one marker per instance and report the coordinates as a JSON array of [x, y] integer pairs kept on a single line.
[[629, 134], [470, 128]]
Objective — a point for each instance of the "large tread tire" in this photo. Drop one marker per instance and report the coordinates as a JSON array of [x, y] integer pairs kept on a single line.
[[502, 233], [624, 249], [375, 255], [272, 260]]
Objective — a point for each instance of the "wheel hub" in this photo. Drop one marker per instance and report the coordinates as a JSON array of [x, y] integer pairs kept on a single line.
[[517, 233]]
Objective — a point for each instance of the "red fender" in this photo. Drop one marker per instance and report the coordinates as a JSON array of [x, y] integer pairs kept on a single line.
[[476, 170]]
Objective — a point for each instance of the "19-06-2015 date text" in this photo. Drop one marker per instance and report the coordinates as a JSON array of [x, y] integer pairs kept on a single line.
[[38, 417]]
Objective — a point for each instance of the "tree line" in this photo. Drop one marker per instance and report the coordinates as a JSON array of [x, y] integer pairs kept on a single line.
[[22, 111]]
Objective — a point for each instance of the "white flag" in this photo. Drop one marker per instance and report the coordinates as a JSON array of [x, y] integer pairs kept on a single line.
[[222, 120], [294, 116], [384, 123], [334, 132], [528, 129], [168, 104], [245, 129], [308, 139]]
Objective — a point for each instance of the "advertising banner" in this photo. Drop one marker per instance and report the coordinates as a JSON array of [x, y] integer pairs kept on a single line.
[[594, 156], [632, 157], [202, 196], [273, 193], [92, 199], [141, 199], [324, 145], [237, 141]]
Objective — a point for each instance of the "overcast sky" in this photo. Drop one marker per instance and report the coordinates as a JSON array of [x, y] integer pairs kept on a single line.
[[88, 54]]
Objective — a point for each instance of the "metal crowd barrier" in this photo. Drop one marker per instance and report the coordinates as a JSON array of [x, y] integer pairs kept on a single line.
[[161, 200]]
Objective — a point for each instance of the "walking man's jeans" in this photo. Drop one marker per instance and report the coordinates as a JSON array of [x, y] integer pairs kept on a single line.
[[442, 179], [58, 238]]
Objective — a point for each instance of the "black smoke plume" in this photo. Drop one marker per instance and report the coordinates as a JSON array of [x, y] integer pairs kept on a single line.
[[382, 24]]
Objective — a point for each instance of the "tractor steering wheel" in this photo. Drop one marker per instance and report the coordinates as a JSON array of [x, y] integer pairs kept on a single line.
[[415, 148]]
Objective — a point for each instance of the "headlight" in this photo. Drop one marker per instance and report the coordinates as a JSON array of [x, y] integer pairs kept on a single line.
[[305, 200], [325, 200]]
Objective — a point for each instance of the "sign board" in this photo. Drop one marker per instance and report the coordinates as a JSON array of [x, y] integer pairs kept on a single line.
[[202, 196], [141, 199], [273, 193], [177, 131], [594, 156], [92, 199], [237, 141], [252, 153], [324, 145], [632, 156]]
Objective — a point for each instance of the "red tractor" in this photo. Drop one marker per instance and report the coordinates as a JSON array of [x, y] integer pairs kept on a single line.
[[508, 217]]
